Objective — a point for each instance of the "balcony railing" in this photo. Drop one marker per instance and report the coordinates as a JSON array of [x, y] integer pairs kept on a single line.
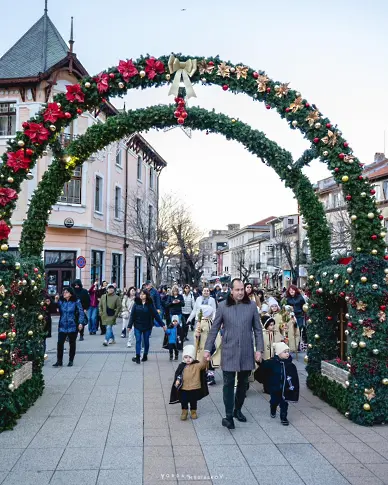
[[273, 262]]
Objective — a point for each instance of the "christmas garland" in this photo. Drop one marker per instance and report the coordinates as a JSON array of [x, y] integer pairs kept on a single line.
[[367, 383]]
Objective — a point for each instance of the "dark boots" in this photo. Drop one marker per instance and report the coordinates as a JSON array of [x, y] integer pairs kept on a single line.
[[144, 359], [136, 359], [57, 364]]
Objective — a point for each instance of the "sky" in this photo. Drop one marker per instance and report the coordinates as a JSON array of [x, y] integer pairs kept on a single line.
[[333, 51]]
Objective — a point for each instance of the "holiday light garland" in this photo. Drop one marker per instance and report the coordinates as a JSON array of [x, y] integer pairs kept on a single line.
[[327, 144]]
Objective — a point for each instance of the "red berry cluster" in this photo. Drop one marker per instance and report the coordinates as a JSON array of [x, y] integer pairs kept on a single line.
[[180, 113]]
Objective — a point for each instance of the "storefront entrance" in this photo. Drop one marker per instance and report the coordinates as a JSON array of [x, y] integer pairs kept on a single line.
[[60, 269]]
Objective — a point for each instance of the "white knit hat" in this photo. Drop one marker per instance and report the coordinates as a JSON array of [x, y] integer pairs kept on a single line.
[[272, 301], [175, 318], [264, 308], [190, 351], [280, 347]]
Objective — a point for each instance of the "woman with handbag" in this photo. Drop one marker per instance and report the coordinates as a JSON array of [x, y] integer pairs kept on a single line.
[[109, 309], [126, 307]]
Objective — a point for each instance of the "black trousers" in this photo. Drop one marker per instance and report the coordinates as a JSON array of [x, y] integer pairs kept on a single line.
[[277, 400], [189, 397], [185, 325], [61, 342], [232, 401], [173, 348]]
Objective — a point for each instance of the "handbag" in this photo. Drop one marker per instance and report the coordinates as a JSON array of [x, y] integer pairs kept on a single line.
[[109, 311]]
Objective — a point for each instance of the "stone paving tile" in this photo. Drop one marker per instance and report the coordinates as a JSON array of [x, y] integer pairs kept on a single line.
[[38, 459], [187, 451], [364, 453], [84, 477], [218, 456], [231, 473], [380, 470], [365, 481], [277, 475], [19, 437], [257, 455], [335, 453], [28, 477], [123, 458], [9, 457], [355, 472], [81, 459], [159, 467], [158, 451], [80, 438]]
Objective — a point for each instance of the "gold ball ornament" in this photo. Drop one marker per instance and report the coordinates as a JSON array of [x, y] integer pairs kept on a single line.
[[353, 217], [317, 337], [363, 279], [331, 282], [11, 387], [324, 274], [35, 288], [24, 282], [384, 381], [358, 249], [346, 332], [354, 345], [317, 125], [317, 283], [370, 215], [1, 372], [362, 344], [30, 333], [142, 73], [59, 105], [349, 270], [5, 315], [347, 414], [347, 383], [375, 287], [336, 276], [21, 143], [386, 270], [383, 234], [53, 128], [87, 85], [305, 308], [17, 265], [10, 180], [311, 277], [374, 252], [363, 194], [310, 346], [4, 247], [121, 85], [320, 290], [309, 320], [40, 317], [306, 359], [345, 179], [32, 282], [168, 77], [366, 407], [325, 153], [294, 123]]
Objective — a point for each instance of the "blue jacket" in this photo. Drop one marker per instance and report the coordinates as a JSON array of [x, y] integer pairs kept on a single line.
[[142, 317], [71, 314], [154, 294], [172, 335]]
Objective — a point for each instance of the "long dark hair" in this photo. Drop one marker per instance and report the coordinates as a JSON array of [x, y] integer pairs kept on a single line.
[[129, 291], [248, 284], [293, 287], [71, 291], [149, 300]]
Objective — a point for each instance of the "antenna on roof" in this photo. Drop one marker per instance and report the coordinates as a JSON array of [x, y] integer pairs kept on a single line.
[[71, 41], [45, 6]]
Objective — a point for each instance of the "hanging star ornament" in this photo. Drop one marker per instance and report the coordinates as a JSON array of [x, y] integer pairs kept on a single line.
[[313, 117], [262, 81], [370, 393], [330, 139], [223, 70], [361, 306], [205, 68], [241, 72], [297, 104], [368, 332], [382, 316]]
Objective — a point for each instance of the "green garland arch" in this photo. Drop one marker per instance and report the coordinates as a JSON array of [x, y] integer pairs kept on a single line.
[[23, 332]]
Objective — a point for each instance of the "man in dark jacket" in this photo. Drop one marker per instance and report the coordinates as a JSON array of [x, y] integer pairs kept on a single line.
[[154, 294], [84, 297]]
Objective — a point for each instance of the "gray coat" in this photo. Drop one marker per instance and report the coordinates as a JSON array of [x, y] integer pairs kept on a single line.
[[240, 321]]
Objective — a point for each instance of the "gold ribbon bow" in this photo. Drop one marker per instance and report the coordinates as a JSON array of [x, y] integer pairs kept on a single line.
[[183, 70]]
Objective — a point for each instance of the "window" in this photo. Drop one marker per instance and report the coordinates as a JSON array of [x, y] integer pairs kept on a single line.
[[139, 167], [118, 156], [151, 178], [385, 189], [7, 119], [150, 231], [96, 266], [116, 269], [336, 200], [137, 275], [138, 210], [290, 222], [117, 202], [378, 192], [72, 189], [98, 195]]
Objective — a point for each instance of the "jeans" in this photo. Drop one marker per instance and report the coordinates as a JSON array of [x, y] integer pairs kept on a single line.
[[93, 319], [277, 400], [185, 325], [61, 342], [187, 397], [146, 337], [109, 333], [173, 348], [232, 401]]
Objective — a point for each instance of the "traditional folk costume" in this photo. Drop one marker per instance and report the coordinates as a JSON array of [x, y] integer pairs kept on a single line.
[[202, 330]]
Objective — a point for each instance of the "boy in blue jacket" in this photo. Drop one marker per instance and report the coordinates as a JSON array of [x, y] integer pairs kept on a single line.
[[174, 339], [282, 381]]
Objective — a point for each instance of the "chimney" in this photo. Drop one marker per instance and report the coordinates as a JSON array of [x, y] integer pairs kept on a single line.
[[233, 227], [379, 157]]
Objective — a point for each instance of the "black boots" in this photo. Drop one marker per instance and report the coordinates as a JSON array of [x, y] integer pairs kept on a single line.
[[144, 359], [228, 422], [136, 359], [239, 416], [70, 364], [284, 420], [57, 364], [273, 411]]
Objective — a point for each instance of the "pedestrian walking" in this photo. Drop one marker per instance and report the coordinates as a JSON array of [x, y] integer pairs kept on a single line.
[[189, 384], [281, 379], [142, 317], [188, 307], [84, 298], [252, 296], [296, 300], [176, 303], [47, 326], [101, 292], [71, 315], [223, 295], [239, 319], [126, 308], [109, 309], [174, 338], [204, 299], [93, 309]]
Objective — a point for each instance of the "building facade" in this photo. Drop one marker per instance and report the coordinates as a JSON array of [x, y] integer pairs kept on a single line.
[[92, 215]]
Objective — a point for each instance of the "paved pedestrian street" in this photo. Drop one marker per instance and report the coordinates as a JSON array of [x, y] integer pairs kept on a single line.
[[107, 421]]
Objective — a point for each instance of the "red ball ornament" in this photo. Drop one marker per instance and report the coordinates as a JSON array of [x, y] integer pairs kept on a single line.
[[386, 257], [328, 125], [29, 152], [381, 217], [336, 169], [342, 294], [67, 115], [111, 75], [255, 75], [25, 275], [177, 100], [383, 308], [360, 177], [211, 63], [341, 156], [288, 110], [25, 124], [330, 317], [373, 237], [177, 113], [373, 191], [3, 336], [346, 144], [181, 121], [36, 270], [184, 115], [348, 197], [79, 111], [225, 87], [316, 140], [268, 90], [181, 102], [307, 105], [350, 324], [268, 106]]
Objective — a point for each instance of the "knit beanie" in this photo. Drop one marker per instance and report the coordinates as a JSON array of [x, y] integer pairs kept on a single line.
[[266, 320], [190, 351], [272, 301], [175, 318], [264, 308], [280, 347]]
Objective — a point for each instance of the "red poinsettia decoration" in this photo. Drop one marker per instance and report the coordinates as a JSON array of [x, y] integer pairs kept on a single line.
[[127, 70], [18, 161], [153, 67], [6, 195], [74, 93], [37, 132], [4, 230], [102, 83], [53, 113]]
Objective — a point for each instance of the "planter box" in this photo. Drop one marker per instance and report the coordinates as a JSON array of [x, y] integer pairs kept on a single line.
[[334, 373]]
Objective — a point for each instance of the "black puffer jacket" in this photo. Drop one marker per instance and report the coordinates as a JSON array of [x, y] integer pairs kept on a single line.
[[281, 376], [82, 294]]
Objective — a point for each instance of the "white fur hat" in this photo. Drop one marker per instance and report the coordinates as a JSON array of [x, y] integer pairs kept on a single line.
[[280, 347], [175, 318], [190, 351], [272, 301]]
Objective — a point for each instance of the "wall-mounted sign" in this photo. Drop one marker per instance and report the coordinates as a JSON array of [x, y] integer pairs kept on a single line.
[[68, 222], [81, 262]]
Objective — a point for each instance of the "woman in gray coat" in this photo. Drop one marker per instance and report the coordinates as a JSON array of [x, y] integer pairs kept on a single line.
[[240, 321]]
